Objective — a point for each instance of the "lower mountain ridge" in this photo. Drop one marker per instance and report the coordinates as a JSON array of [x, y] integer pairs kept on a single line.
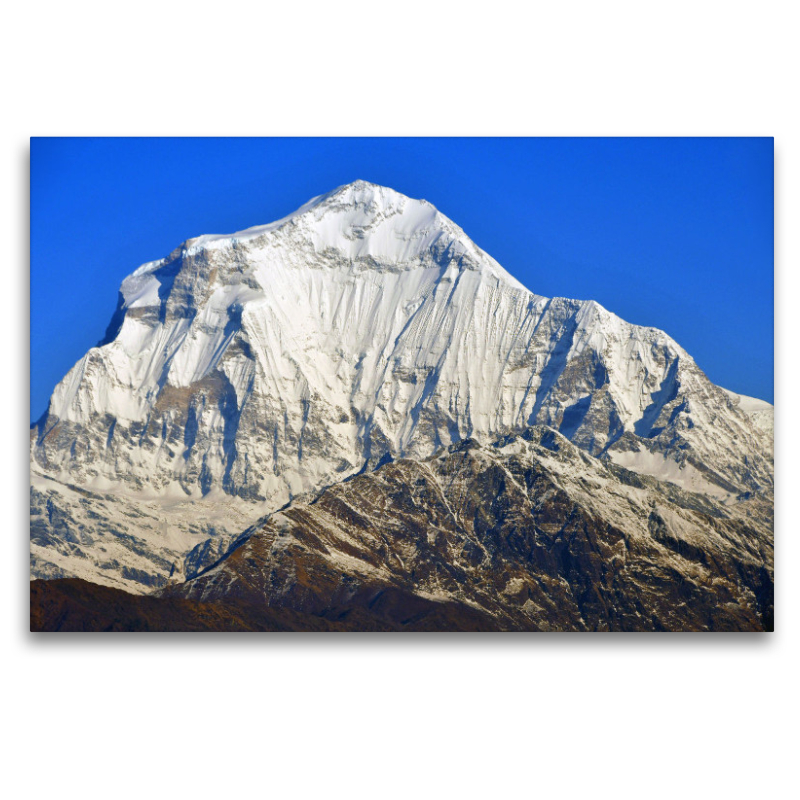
[[526, 533]]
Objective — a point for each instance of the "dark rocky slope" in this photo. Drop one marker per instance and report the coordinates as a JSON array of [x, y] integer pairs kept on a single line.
[[528, 534], [75, 605]]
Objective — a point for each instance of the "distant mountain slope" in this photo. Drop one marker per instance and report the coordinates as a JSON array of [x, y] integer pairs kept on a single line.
[[244, 371]]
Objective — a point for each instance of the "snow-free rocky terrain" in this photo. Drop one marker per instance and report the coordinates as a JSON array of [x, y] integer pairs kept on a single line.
[[247, 372]]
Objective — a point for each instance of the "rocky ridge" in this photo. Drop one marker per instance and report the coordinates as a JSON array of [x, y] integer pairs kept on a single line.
[[531, 533]]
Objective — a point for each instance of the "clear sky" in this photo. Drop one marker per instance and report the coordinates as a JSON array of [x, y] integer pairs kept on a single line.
[[671, 233]]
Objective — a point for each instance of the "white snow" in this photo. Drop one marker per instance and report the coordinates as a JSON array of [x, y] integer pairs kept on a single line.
[[760, 412], [664, 468]]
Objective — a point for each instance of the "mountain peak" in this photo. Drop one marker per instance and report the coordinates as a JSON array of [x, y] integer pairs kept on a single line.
[[359, 204], [361, 191], [361, 194], [359, 185], [359, 223]]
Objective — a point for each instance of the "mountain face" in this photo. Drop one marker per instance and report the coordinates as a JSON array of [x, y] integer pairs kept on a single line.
[[245, 372]]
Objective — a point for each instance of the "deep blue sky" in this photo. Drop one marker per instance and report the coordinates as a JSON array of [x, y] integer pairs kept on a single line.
[[673, 233]]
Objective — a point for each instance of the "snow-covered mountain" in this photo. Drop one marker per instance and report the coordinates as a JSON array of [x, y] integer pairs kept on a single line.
[[243, 371]]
